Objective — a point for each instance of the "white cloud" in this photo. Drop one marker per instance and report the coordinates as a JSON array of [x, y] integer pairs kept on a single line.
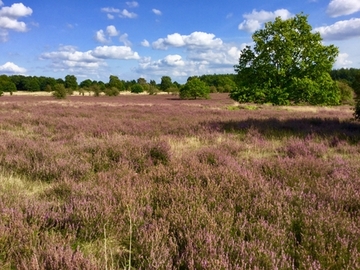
[[198, 61], [156, 11], [254, 20], [10, 67], [340, 30], [132, 4], [111, 31], [124, 39], [1, 3], [110, 16], [338, 8], [16, 10], [105, 36], [114, 52], [342, 60], [101, 37], [195, 39], [127, 14], [145, 43], [9, 19], [69, 59], [110, 10]]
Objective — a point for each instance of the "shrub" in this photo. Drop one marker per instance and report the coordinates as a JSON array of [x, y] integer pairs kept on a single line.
[[137, 88], [346, 93], [194, 88], [60, 91], [112, 92]]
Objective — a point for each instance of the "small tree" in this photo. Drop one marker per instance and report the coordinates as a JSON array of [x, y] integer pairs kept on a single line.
[[288, 64], [166, 83], [71, 83], [194, 88], [60, 91], [137, 88]]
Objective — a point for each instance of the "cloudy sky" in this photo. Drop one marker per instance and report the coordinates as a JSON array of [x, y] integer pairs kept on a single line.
[[150, 39]]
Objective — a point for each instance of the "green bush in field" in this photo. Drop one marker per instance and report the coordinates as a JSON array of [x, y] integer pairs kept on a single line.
[[346, 92], [194, 88], [60, 91], [113, 91]]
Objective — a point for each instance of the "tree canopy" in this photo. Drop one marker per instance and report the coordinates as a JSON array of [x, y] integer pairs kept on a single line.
[[288, 64], [194, 88]]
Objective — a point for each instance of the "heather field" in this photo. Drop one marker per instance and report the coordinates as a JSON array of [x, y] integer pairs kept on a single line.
[[153, 182]]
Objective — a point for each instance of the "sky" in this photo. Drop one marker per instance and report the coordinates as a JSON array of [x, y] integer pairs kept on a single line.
[[150, 39]]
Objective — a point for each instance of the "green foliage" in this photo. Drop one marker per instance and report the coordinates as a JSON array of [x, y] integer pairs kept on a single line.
[[166, 83], [32, 84], [193, 89], [346, 92], [137, 88], [114, 81], [357, 110], [113, 91], [152, 90], [59, 91], [6, 85], [288, 64], [96, 89], [71, 82], [86, 83], [356, 83]]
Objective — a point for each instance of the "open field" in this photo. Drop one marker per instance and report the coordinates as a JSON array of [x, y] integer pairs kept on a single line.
[[153, 182]]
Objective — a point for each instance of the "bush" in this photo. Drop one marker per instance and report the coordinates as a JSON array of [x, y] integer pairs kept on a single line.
[[194, 88], [137, 88], [60, 91], [113, 91], [346, 93]]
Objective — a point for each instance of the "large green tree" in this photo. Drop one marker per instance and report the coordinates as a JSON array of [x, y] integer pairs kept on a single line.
[[288, 64]]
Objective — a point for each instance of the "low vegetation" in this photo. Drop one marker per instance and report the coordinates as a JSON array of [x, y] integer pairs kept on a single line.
[[155, 182]]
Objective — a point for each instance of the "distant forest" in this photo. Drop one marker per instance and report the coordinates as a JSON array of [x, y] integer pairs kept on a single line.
[[222, 83]]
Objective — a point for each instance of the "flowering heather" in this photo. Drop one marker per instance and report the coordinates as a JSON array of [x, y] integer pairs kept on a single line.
[[154, 182]]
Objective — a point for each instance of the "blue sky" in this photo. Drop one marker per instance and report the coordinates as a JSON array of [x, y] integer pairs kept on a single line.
[[151, 39]]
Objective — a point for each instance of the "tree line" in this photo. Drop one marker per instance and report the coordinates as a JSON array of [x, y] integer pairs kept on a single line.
[[214, 83]]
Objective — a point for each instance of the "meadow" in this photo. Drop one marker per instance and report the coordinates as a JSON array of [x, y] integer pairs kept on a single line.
[[154, 182]]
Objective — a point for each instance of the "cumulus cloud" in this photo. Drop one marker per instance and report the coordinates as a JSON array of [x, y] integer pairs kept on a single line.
[[110, 10], [69, 58], [115, 52], [111, 31], [199, 60], [254, 20], [343, 61], [126, 14], [9, 19], [338, 8], [124, 39], [10, 67], [105, 36], [132, 4], [122, 13], [156, 11], [195, 39], [340, 30], [145, 43], [101, 37]]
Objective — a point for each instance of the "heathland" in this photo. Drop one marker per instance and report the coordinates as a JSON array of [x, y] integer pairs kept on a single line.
[[154, 182]]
